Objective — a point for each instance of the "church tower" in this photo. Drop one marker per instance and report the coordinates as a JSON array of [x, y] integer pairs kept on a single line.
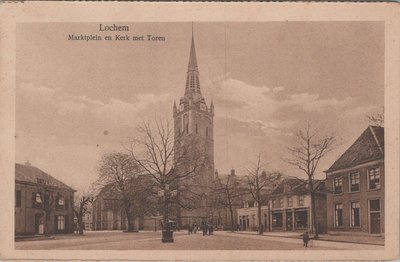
[[193, 122]]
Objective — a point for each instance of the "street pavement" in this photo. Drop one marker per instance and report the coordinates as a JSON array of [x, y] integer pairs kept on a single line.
[[117, 240]]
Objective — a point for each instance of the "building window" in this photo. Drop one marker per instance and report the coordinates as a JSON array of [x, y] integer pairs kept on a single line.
[[374, 205], [338, 215], [289, 201], [355, 214], [374, 178], [60, 201], [38, 198], [277, 220], [337, 185], [281, 202], [354, 182], [301, 200], [18, 198], [274, 203], [60, 223]]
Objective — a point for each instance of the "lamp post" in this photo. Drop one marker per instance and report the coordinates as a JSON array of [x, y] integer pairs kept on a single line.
[[167, 232]]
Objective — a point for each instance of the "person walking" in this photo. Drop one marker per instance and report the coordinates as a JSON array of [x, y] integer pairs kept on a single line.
[[210, 230], [306, 238]]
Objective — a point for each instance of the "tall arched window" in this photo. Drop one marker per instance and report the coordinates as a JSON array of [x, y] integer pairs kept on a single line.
[[186, 123]]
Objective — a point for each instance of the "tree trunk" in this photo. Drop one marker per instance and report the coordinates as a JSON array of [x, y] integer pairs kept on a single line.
[[231, 213], [314, 215], [260, 231], [129, 217], [47, 229], [313, 210], [80, 225]]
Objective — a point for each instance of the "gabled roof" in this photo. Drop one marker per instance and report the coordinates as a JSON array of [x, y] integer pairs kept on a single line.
[[31, 174], [294, 185], [368, 147]]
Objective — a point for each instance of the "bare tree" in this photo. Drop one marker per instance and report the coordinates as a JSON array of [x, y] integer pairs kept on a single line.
[[172, 164], [310, 147], [261, 184], [376, 118], [121, 174], [81, 207], [227, 194]]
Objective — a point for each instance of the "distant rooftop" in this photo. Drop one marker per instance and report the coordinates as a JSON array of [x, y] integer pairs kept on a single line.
[[31, 174]]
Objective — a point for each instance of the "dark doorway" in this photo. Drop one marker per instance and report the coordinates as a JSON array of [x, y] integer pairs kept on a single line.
[[375, 216], [38, 223], [375, 223]]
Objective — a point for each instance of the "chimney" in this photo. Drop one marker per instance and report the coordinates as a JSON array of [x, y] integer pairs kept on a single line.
[[27, 163], [232, 172]]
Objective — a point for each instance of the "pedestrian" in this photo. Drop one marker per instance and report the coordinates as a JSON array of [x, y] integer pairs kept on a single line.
[[195, 228], [189, 229], [204, 229], [306, 238], [210, 230]]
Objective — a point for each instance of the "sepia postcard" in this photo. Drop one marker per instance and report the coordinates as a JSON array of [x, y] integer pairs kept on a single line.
[[199, 131]]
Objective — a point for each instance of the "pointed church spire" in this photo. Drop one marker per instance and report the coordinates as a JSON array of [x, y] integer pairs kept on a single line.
[[192, 90], [192, 58]]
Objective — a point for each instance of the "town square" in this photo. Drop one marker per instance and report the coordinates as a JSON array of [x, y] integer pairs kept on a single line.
[[275, 147]]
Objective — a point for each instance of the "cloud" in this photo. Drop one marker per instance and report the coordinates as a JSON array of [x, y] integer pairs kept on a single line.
[[313, 103], [113, 110]]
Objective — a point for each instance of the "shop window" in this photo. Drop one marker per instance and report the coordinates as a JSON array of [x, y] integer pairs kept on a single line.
[[60, 223], [355, 214], [337, 185], [301, 200], [301, 219], [289, 201], [354, 182], [338, 215], [17, 198], [277, 220], [374, 178]]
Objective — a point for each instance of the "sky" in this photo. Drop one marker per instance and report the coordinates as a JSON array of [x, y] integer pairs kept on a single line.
[[76, 100]]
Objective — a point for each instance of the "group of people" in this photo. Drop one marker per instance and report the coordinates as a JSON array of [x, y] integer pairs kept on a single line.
[[207, 229]]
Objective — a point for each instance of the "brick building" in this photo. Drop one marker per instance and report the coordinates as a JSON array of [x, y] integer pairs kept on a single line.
[[290, 206], [288, 209], [355, 201], [43, 204]]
